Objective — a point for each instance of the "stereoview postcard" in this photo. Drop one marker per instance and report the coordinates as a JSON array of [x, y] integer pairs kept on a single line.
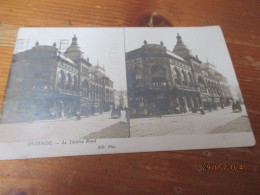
[[78, 91]]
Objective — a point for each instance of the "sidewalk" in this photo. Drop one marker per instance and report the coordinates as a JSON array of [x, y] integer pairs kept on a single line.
[[67, 118], [188, 113]]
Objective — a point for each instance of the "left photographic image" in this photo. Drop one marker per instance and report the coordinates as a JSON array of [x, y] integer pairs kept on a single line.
[[66, 84]]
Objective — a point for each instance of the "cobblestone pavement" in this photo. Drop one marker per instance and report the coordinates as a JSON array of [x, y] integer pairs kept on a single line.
[[119, 130], [179, 124]]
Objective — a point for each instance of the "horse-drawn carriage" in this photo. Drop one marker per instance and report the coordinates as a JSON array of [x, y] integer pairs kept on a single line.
[[236, 107]]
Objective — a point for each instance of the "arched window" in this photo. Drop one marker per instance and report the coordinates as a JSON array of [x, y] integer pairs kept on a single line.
[[97, 95], [75, 84], [202, 84], [219, 88], [90, 91], [138, 73], [216, 88], [177, 76], [206, 83], [158, 76], [138, 76], [107, 95], [61, 80], [212, 87], [93, 91], [85, 89], [190, 80], [184, 76], [69, 82]]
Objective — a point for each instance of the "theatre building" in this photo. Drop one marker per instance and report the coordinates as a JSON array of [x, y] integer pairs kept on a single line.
[[45, 83], [160, 81]]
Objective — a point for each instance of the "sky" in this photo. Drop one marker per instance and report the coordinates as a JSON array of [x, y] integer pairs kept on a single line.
[[107, 45]]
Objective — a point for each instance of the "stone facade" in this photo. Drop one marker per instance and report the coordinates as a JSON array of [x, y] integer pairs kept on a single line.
[[163, 82], [45, 83]]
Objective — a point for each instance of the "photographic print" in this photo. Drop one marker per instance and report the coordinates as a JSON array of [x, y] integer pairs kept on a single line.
[[66, 84], [77, 91], [181, 81]]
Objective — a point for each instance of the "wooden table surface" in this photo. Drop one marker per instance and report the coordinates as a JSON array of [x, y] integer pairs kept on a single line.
[[140, 173]]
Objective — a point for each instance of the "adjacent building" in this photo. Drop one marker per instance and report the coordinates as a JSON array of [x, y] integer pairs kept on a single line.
[[45, 83], [160, 81], [120, 99]]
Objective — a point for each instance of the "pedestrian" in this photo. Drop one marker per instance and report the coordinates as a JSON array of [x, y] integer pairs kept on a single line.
[[209, 107], [160, 112], [202, 112], [78, 117]]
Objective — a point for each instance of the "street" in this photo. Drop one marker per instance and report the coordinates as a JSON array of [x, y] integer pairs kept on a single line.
[[118, 130], [102, 126], [180, 124], [63, 128]]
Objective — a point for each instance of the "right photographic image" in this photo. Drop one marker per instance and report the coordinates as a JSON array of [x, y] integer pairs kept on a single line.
[[181, 81]]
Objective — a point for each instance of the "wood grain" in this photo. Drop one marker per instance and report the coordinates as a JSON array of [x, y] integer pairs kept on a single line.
[[141, 173]]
